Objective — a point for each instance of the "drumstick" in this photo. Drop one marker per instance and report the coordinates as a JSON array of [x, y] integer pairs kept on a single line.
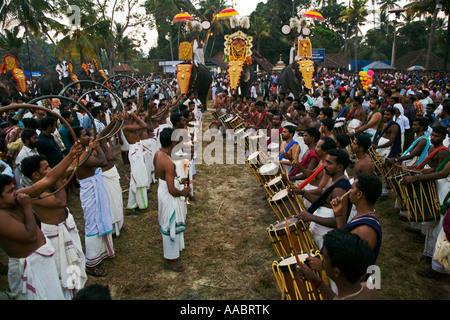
[[346, 194], [311, 177], [292, 245]]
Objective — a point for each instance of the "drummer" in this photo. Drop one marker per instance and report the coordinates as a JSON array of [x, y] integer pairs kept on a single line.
[[441, 175], [374, 120], [289, 148], [417, 152], [338, 257], [320, 212], [326, 129], [310, 160], [437, 151], [363, 163]]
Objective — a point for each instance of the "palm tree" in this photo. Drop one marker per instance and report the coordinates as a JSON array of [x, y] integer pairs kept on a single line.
[[386, 5], [260, 29], [209, 10], [11, 43], [31, 15], [80, 43], [355, 14], [430, 7]]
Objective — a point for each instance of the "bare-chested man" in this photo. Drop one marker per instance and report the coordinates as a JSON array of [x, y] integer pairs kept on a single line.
[[32, 266], [139, 181], [171, 199], [111, 174], [320, 212], [95, 204], [364, 163], [374, 120]]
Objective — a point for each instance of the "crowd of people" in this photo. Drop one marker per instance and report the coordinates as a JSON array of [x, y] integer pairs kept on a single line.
[[318, 136], [60, 150]]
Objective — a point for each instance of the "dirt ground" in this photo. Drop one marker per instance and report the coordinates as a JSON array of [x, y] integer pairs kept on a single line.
[[228, 254]]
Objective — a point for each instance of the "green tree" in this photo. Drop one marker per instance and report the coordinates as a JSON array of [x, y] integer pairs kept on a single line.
[[429, 7], [34, 16], [259, 29], [355, 15], [11, 43]]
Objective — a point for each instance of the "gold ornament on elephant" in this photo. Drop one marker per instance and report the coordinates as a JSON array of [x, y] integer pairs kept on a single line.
[[304, 48], [72, 75], [185, 51], [238, 50], [306, 67], [234, 72], [183, 76], [10, 63]]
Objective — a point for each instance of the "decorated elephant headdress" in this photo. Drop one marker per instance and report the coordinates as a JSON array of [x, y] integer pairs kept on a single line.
[[10, 64]]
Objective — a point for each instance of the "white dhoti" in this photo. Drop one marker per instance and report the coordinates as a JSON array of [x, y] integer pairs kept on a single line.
[[124, 147], [302, 145], [36, 276], [149, 148], [371, 132], [139, 182], [353, 125], [441, 256], [112, 184], [317, 230], [431, 229], [97, 216], [69, 257], [172, 220]]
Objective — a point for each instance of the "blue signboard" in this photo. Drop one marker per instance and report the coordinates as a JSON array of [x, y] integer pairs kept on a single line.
[[318, 55]]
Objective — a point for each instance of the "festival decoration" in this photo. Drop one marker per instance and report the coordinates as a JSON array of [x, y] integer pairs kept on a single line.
[[184, 71], [304, 51], [226, 13], [366, 78], [10, 64], [72, 75], [182, 17], [238, 50], [313, 14]]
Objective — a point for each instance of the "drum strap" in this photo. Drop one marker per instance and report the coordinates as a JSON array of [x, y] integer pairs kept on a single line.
[[340, 114], [424, 152], [430, 156], [261, 118], [287, 149], [341, 183]]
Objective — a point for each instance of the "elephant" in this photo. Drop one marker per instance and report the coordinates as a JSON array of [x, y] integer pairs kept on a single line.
[[49, 83], [247, 77], [94, 76], [291, 78], [8, 86], [200, 82]]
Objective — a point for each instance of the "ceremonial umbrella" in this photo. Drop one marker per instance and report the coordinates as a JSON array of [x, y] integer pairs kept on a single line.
[[313, 14], [228, 12], [182, 17], [415, 68]]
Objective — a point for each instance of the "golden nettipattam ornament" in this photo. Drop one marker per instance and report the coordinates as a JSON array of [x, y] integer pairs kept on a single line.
[[306, 67], [234, 72], [185, 51], [72, 75], [304, 48], [183, 76], [10, 64]]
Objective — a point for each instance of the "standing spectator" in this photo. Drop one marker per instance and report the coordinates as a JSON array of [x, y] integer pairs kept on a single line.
[[47, 144]]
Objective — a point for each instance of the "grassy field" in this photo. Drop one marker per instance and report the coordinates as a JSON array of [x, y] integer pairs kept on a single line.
[[228, 253]]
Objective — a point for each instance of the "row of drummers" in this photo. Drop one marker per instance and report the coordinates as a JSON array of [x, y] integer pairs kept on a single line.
[[290, 236], [420, 199]]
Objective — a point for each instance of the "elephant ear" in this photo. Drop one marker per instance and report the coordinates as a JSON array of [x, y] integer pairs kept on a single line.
[[246, 74]]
